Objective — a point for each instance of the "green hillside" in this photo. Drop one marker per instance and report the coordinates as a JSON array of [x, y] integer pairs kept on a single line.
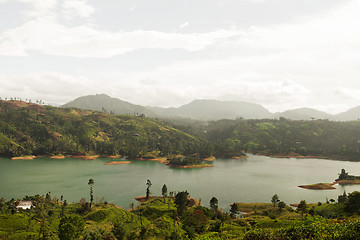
[[31, 129], [324, 138]]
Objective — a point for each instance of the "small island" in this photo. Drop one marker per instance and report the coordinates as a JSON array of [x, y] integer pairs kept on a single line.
[[345, 178], [192, 161], [117, 162], [319, 186], [31, 157]]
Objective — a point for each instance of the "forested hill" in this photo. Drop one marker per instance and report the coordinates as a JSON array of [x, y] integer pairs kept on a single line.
[[31, 129], [340, 140]]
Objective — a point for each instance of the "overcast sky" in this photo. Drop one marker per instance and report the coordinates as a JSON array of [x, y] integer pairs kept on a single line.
[[279, 53]]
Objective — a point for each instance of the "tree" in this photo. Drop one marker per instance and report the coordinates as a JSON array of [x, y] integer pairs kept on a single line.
[[343, 174], [70, 227], [214, 204], [281, 205], [342, 198], [352, 206], [181, 201], [196, 220], [234, 209], [275, 199], [164, 192], [148, 184], [302, 207], [91, 183]]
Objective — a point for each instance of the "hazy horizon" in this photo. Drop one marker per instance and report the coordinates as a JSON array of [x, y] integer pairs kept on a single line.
[[280, 54]]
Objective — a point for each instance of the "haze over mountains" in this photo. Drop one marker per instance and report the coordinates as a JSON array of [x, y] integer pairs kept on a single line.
[[206, 110]]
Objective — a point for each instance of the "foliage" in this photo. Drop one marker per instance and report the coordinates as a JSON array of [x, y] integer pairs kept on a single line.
[[284, 137], [352, 206], [31, 129], [214, 204], [70, 227], [181, 202]]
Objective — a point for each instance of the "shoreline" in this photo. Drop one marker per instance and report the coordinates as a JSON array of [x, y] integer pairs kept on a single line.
[[319, 186], [160, 159], [190, 166], [117, 162], [31, 157], [210, 159], [347, 182]]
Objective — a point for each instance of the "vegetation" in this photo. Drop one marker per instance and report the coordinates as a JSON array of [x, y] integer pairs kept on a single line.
[[283, 137], [32, 129], [179, 218]]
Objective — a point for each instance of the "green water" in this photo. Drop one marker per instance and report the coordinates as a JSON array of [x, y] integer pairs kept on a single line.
[[255, 179]]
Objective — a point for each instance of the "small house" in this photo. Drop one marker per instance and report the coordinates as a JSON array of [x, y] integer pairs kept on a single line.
[[24, 205]]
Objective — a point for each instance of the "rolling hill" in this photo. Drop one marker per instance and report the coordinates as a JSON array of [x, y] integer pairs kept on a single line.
[[304, 114], [103, 102], [215, 110]]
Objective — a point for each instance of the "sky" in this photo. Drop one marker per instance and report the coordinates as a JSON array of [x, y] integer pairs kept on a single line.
[[278, 53]]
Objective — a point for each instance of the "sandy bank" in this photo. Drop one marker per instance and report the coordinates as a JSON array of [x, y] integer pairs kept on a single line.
[[240, 157], [161, 160], [355, 181], [24, 158], [58, 157], [319, 186], [117, 162], [87, 157], [191, 166], [210, 159]]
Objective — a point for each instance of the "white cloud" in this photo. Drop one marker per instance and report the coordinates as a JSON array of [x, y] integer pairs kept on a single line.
[[351, 94], [281, 66], [184, 25], [48, 36], [77, 8]]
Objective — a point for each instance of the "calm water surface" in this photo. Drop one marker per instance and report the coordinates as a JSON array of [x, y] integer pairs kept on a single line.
[[255, 179]]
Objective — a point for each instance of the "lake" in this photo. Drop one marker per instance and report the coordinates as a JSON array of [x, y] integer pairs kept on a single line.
[[255, 179]]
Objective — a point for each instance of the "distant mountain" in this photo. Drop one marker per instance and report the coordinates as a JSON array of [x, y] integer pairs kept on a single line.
[[101, 102], [304, 114], [205, 110], [215, 110], [350, 115]]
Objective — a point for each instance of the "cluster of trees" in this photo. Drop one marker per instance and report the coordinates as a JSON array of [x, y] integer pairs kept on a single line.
[[345, 176]]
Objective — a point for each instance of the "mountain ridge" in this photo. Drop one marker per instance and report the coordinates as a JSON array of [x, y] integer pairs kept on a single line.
[[206, 110]]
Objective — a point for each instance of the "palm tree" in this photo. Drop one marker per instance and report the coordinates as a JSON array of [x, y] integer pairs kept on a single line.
[[91, 183]]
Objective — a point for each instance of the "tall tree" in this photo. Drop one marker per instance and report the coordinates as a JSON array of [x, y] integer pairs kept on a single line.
[[281, 205], [302, 207], [275, 199], [234, 209], [148, 184], [181, 201], [214, 204], [91, 183], [164, 191]]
